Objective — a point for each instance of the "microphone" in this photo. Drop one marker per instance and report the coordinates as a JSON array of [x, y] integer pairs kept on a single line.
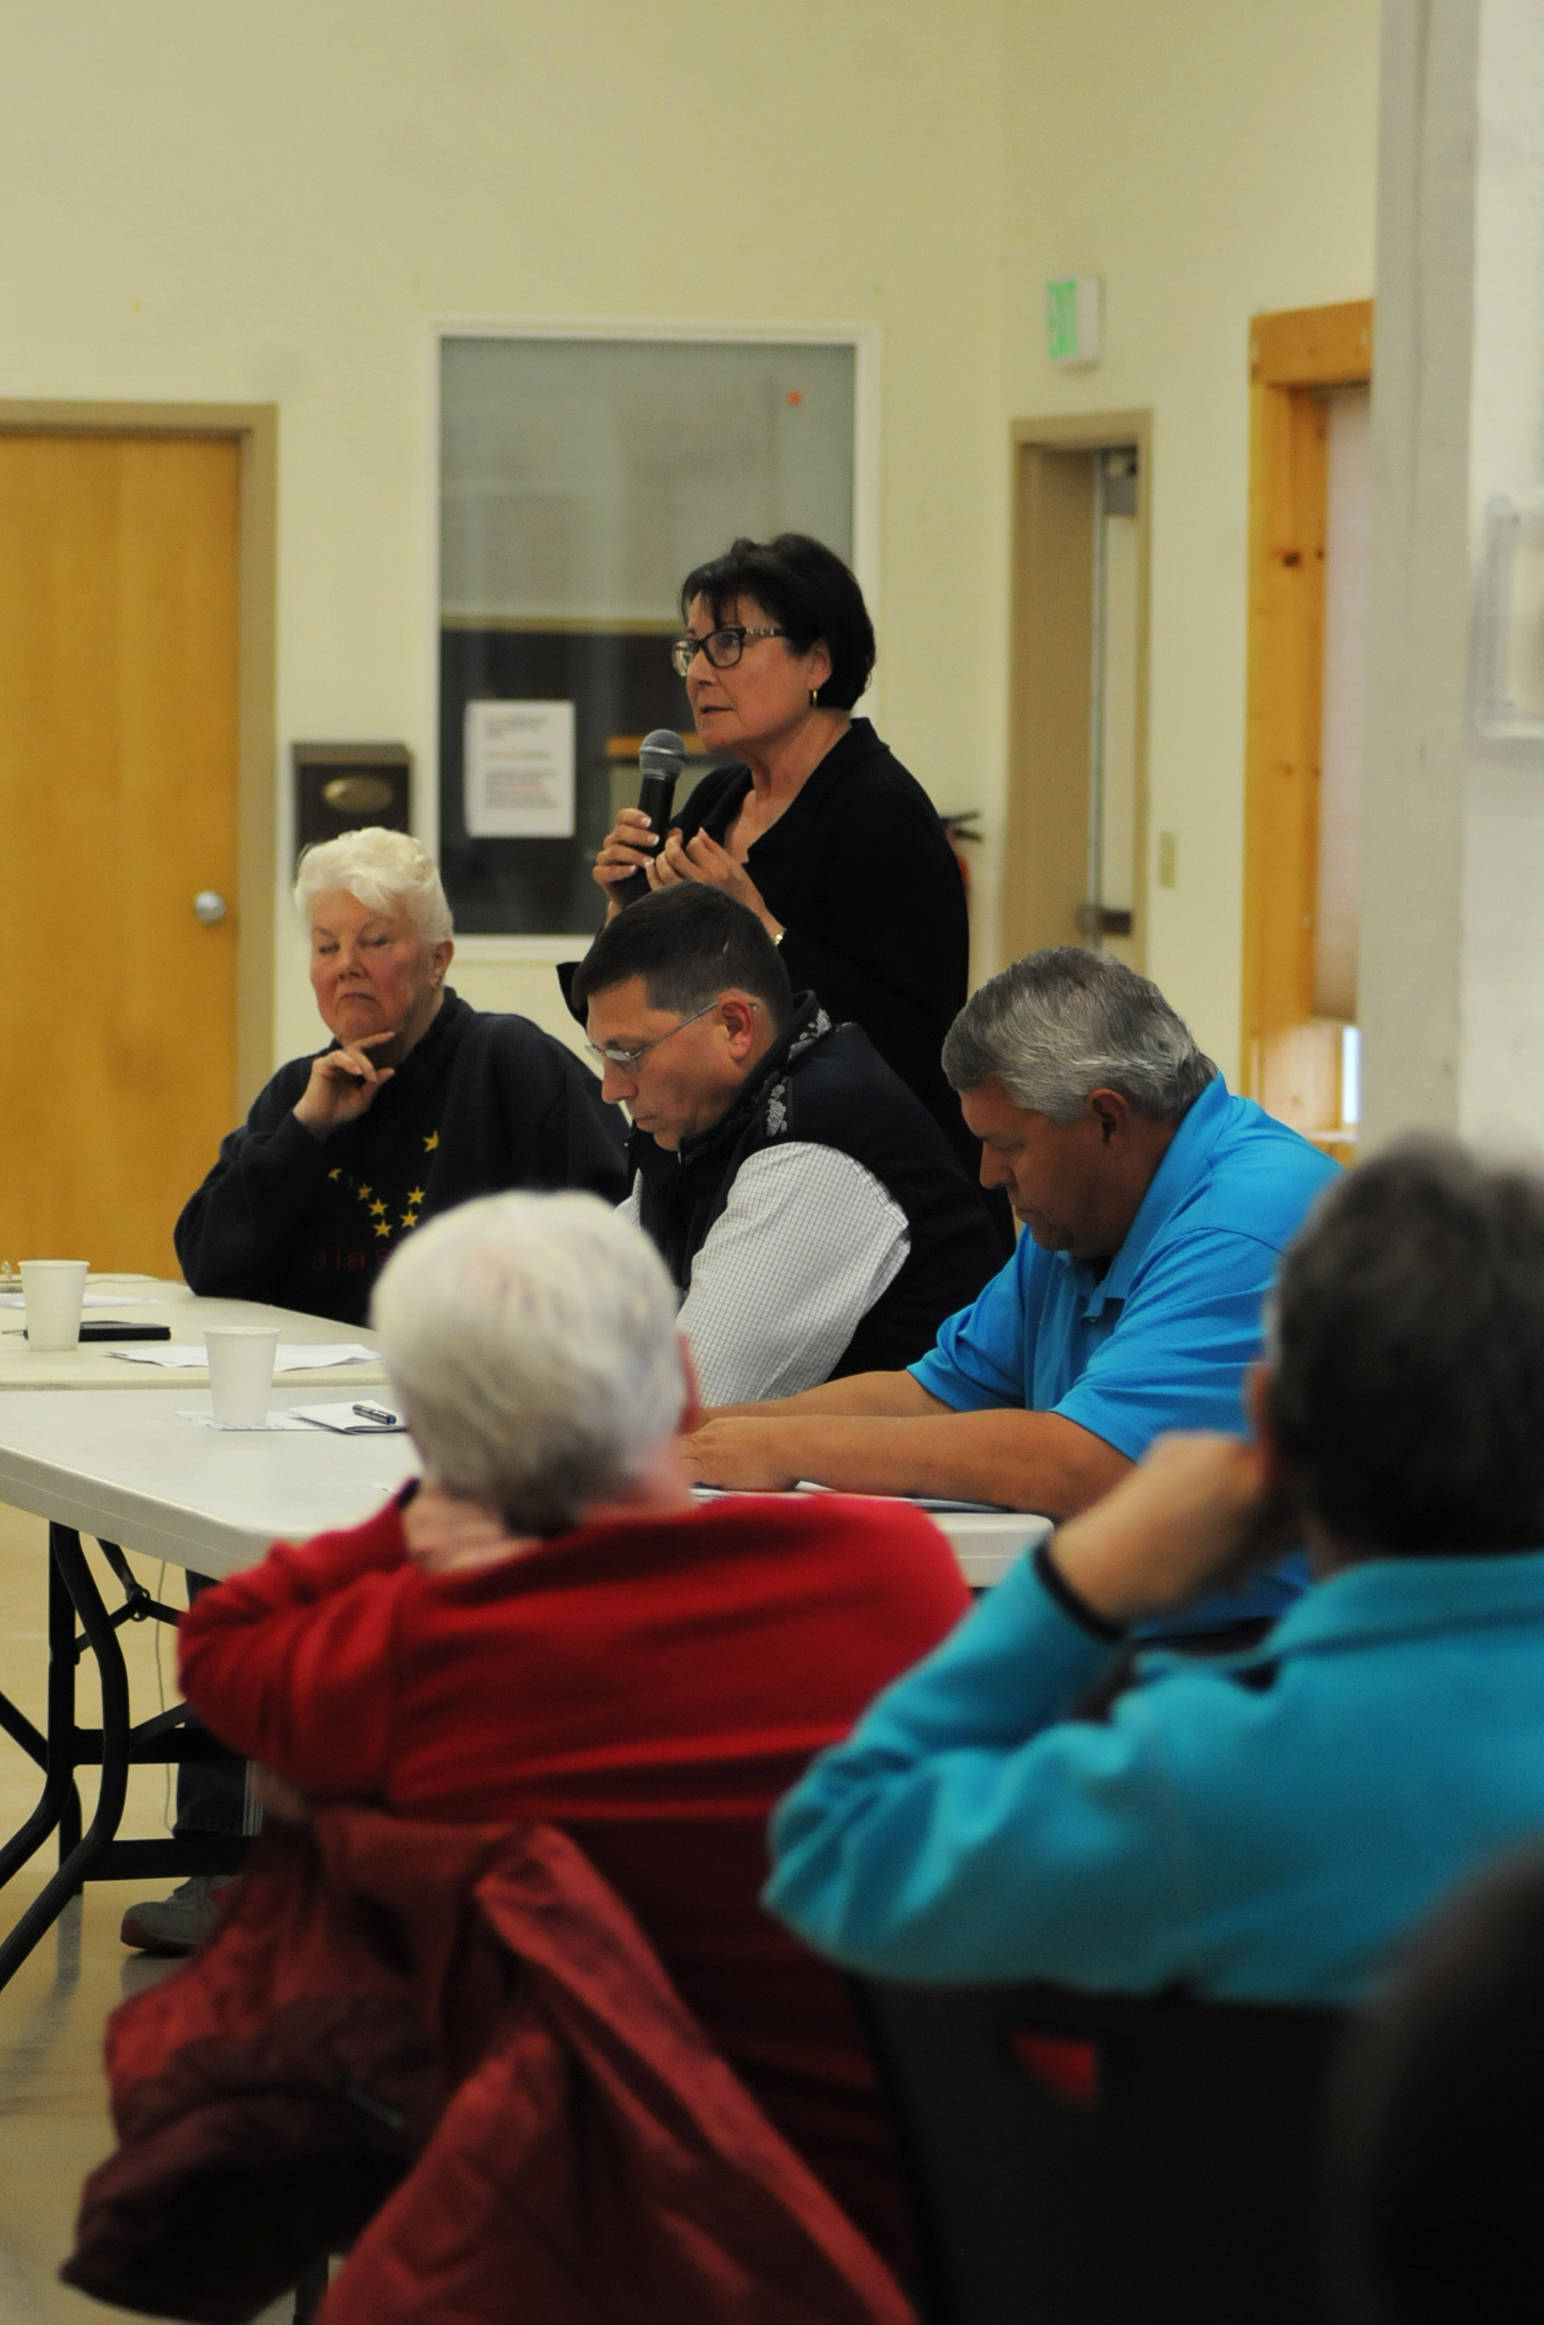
[[661, 757]]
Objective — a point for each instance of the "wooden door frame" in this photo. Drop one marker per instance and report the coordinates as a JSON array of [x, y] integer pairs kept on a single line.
[[1051, 498], [255, 430], [1291, 1058]]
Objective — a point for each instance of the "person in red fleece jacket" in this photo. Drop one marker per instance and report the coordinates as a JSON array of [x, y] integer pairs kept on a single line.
[[550, 1626]]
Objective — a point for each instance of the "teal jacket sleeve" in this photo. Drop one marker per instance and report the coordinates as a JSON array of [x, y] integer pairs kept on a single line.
[[969, 1830]]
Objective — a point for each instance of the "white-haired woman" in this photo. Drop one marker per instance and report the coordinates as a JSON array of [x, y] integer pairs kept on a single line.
[[553, 1628], [420, 1101]]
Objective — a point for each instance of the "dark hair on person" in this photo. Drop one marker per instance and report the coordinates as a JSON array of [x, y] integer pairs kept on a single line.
[[808, 592], [1406, 1346], [1436, 2140], [688, 944], [1062, 1022]]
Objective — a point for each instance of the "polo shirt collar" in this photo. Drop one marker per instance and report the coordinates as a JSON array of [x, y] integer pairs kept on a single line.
[[1172, 1181]]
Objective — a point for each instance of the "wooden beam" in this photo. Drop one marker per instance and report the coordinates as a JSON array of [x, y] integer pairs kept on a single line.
[[1313, 346], [1286, 649]]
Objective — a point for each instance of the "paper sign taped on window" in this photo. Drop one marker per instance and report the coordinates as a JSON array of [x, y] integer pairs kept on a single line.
[[519, 759]]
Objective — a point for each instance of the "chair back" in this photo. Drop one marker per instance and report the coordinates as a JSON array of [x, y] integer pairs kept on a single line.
[[1082, 2159]]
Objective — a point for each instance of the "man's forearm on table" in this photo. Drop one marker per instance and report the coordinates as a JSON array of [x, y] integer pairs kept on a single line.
[[1024, 1461], [896, 1395]]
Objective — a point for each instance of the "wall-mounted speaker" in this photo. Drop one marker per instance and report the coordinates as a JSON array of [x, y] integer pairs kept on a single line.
[[339, 787]]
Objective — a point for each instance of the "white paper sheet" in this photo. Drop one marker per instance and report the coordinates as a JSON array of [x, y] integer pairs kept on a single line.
[[352, 1420], [248, 1428], [100, 1299], [292, 1356], [518, 781], [302, 1421]]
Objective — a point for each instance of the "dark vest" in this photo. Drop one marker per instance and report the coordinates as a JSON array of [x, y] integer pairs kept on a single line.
[[827, 1085]]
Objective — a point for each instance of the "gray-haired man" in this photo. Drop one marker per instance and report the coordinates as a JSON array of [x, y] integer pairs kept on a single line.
[[1156, 1206]]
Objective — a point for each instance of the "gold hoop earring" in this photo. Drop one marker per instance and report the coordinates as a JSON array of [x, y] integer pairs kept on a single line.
[[814, 698]]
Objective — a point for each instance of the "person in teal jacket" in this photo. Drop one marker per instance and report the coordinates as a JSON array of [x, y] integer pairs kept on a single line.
[[1263, 1826]]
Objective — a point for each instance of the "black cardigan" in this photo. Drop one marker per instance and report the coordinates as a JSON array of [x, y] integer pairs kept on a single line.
[[860, 872]]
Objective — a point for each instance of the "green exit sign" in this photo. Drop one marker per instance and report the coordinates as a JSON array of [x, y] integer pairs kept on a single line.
[[1072, 319]]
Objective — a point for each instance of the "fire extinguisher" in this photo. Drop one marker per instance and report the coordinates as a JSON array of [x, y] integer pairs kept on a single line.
[[962, 828]]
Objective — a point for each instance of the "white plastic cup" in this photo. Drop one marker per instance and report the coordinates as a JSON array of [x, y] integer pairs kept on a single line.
[[54, 1290], [241, 1372]]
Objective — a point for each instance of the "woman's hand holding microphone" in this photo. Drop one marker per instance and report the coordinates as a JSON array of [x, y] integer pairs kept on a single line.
[[630, 848]]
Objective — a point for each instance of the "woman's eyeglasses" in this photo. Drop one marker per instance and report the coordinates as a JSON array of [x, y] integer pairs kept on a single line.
[[722, 647]]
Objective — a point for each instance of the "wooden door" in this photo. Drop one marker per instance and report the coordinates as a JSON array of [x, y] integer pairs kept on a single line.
[[1293, 1048], [119, 612]]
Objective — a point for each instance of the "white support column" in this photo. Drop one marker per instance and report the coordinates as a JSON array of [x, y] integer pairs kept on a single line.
[[1452, 953]]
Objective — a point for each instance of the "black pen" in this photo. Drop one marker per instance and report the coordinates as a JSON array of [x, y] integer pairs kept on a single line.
[[376, 1413]]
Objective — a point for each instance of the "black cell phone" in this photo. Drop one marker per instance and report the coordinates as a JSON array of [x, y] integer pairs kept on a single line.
[[110, 1331]]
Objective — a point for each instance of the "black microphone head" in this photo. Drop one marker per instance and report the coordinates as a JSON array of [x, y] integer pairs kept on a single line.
[[661, 753]]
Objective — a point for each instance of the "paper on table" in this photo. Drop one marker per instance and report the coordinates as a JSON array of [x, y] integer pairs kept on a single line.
[[279, 1420], [918, 1501], [292, 1355], [351, 1420], [99, 1299]]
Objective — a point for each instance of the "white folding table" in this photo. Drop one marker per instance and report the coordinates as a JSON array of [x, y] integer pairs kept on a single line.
[[91, 1459], [133, 1470], [135, 1473]]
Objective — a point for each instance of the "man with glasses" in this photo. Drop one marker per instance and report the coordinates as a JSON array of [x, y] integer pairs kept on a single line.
[[809, 1209]]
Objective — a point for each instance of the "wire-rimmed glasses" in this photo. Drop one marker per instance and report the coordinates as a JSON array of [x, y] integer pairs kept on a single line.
[[609, 1055]]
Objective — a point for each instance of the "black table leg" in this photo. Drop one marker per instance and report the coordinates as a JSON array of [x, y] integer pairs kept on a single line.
[[21, 1731], [72, 1591], [96, 1854], [58, 1808]]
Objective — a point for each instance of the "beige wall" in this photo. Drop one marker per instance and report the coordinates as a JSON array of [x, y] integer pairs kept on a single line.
[[267, 200], [1452, 961], [1211, 159]]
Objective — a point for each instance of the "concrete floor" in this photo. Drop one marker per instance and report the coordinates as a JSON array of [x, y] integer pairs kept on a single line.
[[53, 2106]]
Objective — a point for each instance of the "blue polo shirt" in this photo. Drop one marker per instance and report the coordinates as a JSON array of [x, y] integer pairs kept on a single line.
[[1162, 1337]]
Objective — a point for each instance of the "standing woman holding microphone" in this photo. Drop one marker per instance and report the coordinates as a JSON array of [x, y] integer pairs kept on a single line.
[[818, 827]]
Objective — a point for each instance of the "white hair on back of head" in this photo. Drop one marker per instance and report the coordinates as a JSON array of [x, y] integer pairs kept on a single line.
[[531, 1340], [388, 871]]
